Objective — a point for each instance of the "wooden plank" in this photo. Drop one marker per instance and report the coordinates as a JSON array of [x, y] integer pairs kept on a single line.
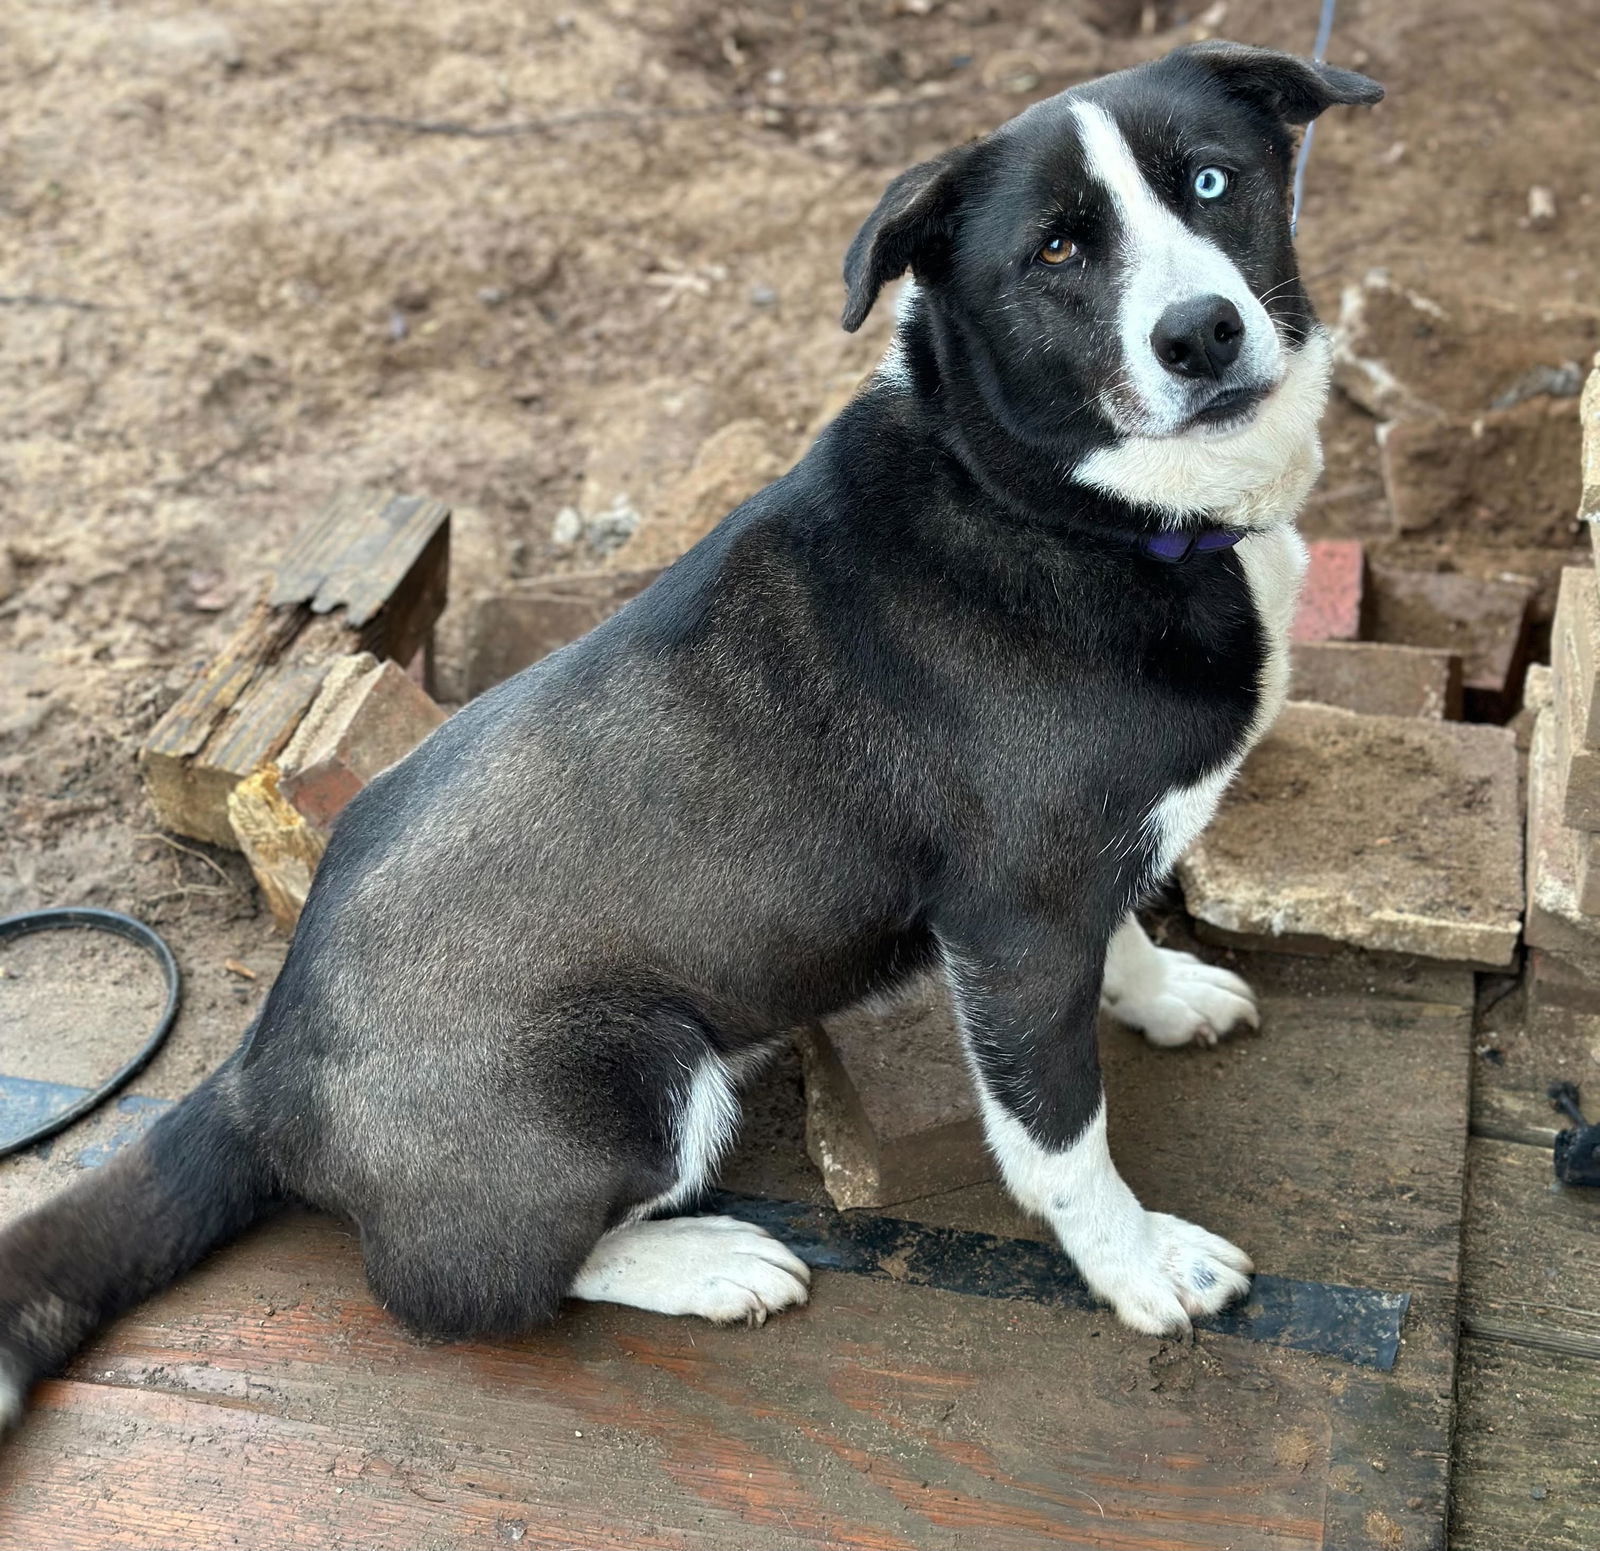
[[1533, 1251], [1519, 1057], [1527, 1466], [368, 573], [1332, 1147], [357, 555], [884, 1414], [1527, 1455], [881, 1416]]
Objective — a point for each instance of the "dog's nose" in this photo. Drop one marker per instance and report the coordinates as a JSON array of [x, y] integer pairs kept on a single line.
[[1199, 338]]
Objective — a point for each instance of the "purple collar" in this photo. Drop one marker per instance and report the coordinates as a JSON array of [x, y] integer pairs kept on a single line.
[[1174, 546]]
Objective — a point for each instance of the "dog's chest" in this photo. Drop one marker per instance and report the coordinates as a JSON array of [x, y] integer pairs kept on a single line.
[[1274, 564]]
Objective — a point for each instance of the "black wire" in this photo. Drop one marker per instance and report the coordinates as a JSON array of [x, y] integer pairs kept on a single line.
[[118, 925]]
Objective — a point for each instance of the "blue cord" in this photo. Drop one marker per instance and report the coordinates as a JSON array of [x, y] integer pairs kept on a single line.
[[1324, 32]]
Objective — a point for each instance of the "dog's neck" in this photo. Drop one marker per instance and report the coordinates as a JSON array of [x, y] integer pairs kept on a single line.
[[1250, 480]]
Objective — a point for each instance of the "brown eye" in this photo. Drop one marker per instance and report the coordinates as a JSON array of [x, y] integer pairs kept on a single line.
[[1057, 251]]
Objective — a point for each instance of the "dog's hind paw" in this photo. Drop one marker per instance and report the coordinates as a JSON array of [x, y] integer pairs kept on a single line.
[[1181, 1000], [720, 1268], [1179, 1273]]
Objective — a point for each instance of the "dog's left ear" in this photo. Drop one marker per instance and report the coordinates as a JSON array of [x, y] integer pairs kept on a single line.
[[1294, 89], [912, 224]]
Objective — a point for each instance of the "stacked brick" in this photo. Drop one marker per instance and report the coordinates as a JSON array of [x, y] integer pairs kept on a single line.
[[1563, 925]]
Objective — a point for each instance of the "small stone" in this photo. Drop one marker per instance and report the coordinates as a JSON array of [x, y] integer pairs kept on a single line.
[[763, 296], [609, 530], [1330, 601], [1486, 622], [567, 529], [1393, 833], [1541, 205], [1538, 1493], [890, 1109], [1378, 679], [491, 295]]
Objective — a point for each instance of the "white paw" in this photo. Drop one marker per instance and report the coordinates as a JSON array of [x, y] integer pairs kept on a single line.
[[1180, 1000], [1170, 1274], [717, 1267]]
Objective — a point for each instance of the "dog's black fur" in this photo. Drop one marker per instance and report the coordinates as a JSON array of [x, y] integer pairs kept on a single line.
[[912, 702]]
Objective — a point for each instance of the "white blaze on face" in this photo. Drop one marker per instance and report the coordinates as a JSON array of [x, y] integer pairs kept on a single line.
[[1164, 263]]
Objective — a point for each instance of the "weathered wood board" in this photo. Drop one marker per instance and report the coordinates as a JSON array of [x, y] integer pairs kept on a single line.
[[368, 573], [1527, 1446]]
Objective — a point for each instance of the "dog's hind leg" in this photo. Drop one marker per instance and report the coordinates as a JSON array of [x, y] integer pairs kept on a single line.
[[496, 1234], [716, 1267], [1172, 998]]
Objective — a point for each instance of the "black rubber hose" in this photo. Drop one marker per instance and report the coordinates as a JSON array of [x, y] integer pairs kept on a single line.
[[85, 917]]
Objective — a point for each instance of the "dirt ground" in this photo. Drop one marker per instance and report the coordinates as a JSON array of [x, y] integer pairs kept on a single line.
[[239, 272]]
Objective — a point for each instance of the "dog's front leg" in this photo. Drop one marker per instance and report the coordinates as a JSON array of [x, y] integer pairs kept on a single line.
[[1027, 996]]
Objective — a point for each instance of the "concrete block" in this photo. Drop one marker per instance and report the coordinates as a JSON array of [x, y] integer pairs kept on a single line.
[[1392, 833], [511, 630], [366, 716], [1575, 649], [1330, 601], [1560, 982], [1589, 419], [1556, 920], [1495, 471], [1486, 622], [1378, 679], [891, 1114]]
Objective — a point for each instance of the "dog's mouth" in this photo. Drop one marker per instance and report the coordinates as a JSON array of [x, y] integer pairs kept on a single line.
[[1230, 409]]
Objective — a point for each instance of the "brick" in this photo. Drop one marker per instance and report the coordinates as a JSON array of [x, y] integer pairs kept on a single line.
[[890, 1110], [1330, 601], [1486, 622], [1494, 471], [366, 716], [1378, 679], [1397, 834], [1556, 918], [511, 630]]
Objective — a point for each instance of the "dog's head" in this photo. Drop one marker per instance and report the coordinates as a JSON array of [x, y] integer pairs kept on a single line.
[[1119, 252]]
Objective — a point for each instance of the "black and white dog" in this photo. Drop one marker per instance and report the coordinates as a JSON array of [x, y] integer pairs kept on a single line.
[[952, 694]]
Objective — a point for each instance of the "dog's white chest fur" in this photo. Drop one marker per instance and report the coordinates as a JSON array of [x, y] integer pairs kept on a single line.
[[1274, 564]]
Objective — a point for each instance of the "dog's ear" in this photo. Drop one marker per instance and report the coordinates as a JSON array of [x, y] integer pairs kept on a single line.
[[913, 222], [1294, 89]]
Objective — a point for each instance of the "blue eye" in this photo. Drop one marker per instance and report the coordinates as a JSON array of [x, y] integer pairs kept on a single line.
[[1211, 183]]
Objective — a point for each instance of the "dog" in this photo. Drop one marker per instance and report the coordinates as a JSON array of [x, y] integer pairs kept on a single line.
[[952, 695]]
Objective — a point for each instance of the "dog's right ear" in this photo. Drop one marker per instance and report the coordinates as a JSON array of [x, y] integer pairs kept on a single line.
[[913, 222]]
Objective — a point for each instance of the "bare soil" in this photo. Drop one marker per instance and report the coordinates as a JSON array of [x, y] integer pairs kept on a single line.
[[241, 268]]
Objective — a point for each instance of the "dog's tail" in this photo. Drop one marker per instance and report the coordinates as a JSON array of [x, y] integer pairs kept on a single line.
[[123, 1232]]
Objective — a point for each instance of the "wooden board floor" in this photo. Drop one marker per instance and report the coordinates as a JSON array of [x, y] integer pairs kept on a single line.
[[267, 1402], [1527, 1474]]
